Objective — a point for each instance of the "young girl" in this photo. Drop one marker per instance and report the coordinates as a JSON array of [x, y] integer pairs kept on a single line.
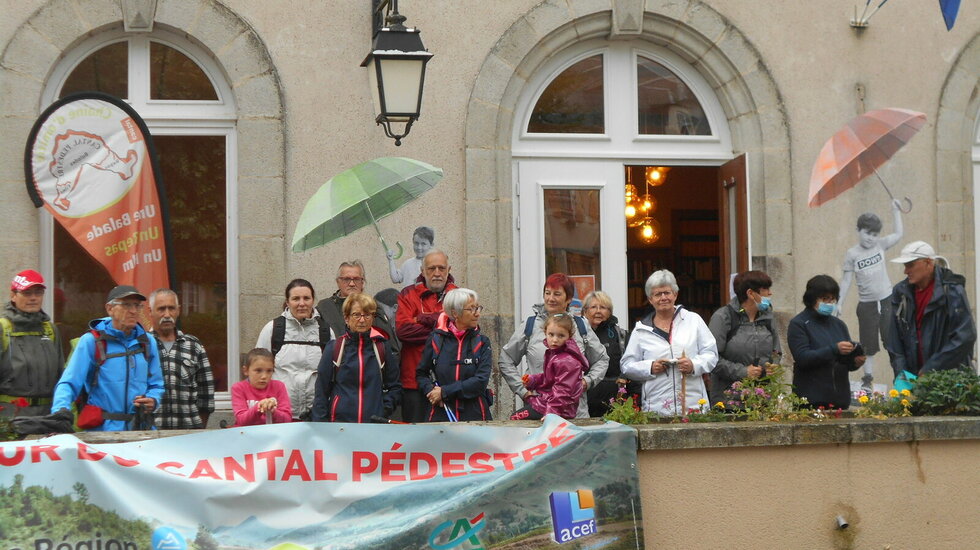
[[556, 390], [253, 398]]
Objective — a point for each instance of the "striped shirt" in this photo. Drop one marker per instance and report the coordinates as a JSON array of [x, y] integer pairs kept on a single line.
[[188, 381]]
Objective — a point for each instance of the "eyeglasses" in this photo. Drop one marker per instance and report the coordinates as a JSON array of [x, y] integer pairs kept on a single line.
[[351, 280], [597, 306], [129, 306], [474, 310], [360, 316]]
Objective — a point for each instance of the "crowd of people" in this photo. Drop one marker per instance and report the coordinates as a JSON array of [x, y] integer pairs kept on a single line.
[[345, 359]]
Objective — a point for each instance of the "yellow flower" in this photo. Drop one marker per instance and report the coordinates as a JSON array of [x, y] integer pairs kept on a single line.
[[906, 393], [719, 405], [702, 401], [905, 403], [863, 399], [893, 393]]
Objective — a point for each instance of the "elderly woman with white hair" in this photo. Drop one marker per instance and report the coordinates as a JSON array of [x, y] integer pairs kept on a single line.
[[456, 362], [597, 309], [669, 351]]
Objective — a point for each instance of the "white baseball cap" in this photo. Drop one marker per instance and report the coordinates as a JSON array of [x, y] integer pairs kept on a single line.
[[916, 250]]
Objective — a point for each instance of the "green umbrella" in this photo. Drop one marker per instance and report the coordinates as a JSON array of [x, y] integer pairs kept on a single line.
[[361, 196]]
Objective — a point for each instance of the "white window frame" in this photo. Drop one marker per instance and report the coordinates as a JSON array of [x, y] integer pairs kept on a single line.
[[168, 118], [621, 137]]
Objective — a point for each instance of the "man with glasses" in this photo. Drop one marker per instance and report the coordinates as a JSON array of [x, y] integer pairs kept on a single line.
[[419, 307], [189, 397], [31, 358], [116, 367], [931, 325], [350, 280]]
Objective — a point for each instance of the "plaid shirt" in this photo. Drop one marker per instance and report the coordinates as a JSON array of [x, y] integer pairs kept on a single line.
[[188, 381]]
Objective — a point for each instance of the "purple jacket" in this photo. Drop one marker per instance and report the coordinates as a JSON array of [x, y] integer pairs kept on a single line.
[[559, 387]]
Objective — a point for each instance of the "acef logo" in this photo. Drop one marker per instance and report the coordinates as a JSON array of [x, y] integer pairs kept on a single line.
[[573, 515]]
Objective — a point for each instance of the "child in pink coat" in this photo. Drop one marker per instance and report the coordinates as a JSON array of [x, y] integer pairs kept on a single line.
[[260, 399], [558, 388]]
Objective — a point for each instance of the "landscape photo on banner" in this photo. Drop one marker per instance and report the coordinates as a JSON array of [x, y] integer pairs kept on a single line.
[[338, 486]]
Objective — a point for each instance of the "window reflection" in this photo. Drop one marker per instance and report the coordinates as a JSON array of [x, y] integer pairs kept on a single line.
[[571, 232], [173, 75], [106, 70], [666, 105], [573, 102]]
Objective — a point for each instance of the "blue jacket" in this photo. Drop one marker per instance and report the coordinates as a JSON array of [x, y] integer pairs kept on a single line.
[[819, 370], [359, 388], [111, 392], [461, 367], [948, 330]]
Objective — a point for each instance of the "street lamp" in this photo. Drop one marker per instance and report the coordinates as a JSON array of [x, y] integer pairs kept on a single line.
[[396, 68]]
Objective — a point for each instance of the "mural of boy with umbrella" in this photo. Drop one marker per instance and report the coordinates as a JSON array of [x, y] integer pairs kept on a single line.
[[865, 264], [422, 240]]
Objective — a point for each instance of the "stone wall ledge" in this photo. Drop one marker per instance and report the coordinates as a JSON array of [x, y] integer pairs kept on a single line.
[[712, 435], [658, 437]]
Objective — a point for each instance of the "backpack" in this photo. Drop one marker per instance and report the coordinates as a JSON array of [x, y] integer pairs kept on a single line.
[[279, 334], [47, 330], [100, 355], [437, 347], [579, 322], [338, 354]]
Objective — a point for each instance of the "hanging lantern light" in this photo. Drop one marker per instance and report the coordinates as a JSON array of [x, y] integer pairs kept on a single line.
[[650, 230], [656, 175], [648, 205], [630, 212]]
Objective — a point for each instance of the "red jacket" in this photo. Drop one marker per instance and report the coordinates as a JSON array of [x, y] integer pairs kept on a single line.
[[418, 311], [559, 387]]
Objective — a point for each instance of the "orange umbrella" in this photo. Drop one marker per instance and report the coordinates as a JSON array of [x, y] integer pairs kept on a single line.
[[859, 148]]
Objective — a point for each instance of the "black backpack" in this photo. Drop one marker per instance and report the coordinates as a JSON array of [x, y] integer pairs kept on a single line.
[[279, 335]]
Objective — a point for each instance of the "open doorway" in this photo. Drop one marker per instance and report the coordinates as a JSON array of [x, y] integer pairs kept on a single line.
[[676, 227]]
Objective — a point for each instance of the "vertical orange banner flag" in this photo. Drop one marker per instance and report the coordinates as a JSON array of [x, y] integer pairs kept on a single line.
[[90, 162]]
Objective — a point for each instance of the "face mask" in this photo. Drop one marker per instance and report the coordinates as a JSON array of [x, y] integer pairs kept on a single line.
[[765, 304], [823, 308]]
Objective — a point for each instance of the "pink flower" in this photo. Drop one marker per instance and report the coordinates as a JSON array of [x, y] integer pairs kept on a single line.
[[621, 390], [760, 391]]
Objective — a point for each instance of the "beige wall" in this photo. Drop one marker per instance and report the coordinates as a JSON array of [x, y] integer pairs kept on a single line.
[[805, 56], [894, 495]]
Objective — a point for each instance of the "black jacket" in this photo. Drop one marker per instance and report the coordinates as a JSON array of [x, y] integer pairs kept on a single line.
[[819, 370], [359, 388], [462, 369], [948, 330]]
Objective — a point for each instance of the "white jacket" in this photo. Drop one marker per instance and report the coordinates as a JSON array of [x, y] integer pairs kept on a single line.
[[296, 364], [662, 392]]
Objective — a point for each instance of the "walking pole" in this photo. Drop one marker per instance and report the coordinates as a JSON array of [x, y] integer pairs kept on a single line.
[[683, 387]]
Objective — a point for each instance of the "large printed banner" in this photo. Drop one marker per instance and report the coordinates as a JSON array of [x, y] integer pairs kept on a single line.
[[89, 162], [327, 486]]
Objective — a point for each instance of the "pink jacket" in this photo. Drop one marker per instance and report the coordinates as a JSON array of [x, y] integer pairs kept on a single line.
[[244, 399], [559, 387]]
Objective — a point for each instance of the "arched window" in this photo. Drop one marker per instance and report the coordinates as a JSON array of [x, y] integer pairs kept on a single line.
[[611, 99], [572, 103], [189, 109]]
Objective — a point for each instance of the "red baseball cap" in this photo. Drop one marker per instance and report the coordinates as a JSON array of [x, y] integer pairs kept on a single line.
[[26, 279]]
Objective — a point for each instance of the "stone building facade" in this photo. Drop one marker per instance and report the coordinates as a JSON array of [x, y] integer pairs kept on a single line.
[[775, 80]]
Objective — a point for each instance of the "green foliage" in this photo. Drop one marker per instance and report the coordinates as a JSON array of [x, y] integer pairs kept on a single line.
[[947, 392], [26, 512], [766, 397], [877, 405], [625, 411], [7, 432], [204, 539]]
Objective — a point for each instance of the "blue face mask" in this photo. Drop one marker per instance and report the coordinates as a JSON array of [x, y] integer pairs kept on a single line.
[[765, 304], [823, 308]]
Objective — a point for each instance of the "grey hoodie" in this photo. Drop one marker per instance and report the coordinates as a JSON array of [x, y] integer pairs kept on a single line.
[[752, 341]]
